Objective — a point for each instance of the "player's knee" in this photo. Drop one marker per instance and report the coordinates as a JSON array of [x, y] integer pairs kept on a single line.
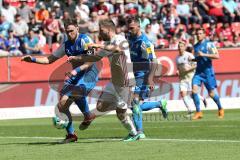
[[195, 90], [63, 104], [211, 94], [121, 114], [183, 94], [135, 100], [100, 107], [60, 107]]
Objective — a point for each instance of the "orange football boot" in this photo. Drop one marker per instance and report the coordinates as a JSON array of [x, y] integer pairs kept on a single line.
[[198, 115], [221, 113]]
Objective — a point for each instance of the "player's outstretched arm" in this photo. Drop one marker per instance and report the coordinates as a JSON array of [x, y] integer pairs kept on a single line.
[[108, 47], [40, 60], [84, 58]]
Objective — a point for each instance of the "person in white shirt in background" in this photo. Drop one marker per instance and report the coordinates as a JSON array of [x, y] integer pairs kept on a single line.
[[83, 9], [8, 11]]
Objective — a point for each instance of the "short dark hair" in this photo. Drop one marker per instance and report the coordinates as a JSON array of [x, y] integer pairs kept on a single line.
[[108, 23], [17, 15], [201, 29], [71, 22], [133, 19]]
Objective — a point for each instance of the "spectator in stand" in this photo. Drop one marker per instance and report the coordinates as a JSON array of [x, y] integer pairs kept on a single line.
[[13, 45], [215, 9], [155, 26], [155, 7], [151, 36], [183, 11], [144, 21], [101, 10], [131, 8], [57, 9], [42, 39], [42, 14], [193, 30], [236, 41], [52, 29], [170, 24], [225, 33], [93, 27], [34, 25], [110, 6], [8, 11], [31, 43], [49, 4], [82, 24], [173, 44], [182, 35], [200, 11], [145, 7], [3, 46], [119, 8], [20, 27], [25, 11], [69, 6], [83, 10], [169, 6], [4, 26], [160, 4], [211, 34], [231, 9], [66, 18], [212, 29]]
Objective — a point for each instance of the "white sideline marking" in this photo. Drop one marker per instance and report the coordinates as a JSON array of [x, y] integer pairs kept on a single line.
[[119, 139]]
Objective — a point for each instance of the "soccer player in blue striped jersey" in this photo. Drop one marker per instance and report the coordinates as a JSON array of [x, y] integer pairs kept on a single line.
[[81, 80], [205, 51], [144, 67]]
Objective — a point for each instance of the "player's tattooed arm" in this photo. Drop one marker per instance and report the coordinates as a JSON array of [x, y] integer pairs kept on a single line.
[[84, 58], [40, 60], [107, 47]]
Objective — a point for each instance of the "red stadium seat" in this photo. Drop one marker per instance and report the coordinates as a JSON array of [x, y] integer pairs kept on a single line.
[[16, 3]]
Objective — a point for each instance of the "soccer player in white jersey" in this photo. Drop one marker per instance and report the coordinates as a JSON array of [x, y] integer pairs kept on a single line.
[[185, 70], [118, 93]]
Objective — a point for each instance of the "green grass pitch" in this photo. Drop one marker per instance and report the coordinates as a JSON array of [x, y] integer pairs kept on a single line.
[[177, 138]]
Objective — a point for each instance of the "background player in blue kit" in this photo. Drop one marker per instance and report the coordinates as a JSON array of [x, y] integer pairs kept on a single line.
[[81, 80], [205, 51], [144, 67]]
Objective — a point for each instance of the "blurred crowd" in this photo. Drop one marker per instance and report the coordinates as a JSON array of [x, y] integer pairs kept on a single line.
[[37, 26]]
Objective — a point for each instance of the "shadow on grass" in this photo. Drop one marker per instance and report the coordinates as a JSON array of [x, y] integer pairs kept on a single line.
[[80, 140]]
